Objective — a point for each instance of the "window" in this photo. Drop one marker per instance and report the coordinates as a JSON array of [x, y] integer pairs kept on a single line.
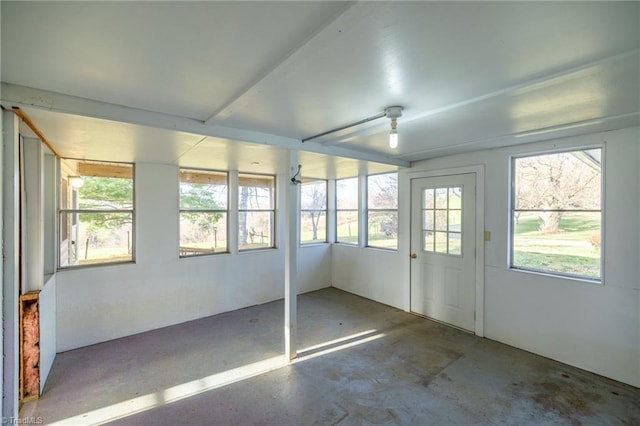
[[256, 211], [96, 213], [313, 211], [203, 212], [347, 211], [556, 216], [442, 220], [382, 211]]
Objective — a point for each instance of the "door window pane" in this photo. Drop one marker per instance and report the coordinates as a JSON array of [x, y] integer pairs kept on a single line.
[[442, 226]]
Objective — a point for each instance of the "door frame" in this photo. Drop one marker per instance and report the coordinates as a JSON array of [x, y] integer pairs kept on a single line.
[[479, 171]]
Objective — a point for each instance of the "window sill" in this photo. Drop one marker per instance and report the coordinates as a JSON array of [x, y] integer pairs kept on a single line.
[[557, 276]]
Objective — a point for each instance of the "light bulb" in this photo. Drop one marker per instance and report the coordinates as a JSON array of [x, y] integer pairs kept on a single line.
[[393, 138], [76, 181]]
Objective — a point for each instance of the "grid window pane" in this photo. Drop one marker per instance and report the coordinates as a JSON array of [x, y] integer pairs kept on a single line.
[[203, 212], [347, 226], [556, 216], [256, 192], [347, 194], [313, 195], [383, 229], [455, 198], [441, 242], [313, 226], [442, 226], [256, 212], [347, 211], [96, 213], [203, 190], [429, 241], [575, 250], [441, 220], [202, 233], [455, 243], [429, 220], [258, 225], [96, 238], [382, 211], [97, 193], [382, 191], [441, 198], [455, 220], [429, 199], [313, 212]]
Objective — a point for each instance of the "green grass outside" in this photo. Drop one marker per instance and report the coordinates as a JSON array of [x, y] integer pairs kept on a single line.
[[104, 255], [570, 251]]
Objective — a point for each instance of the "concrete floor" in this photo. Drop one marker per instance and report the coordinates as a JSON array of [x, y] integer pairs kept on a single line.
[[364, 363]]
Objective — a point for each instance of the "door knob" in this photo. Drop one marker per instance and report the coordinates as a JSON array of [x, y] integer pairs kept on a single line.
[[413, 256]]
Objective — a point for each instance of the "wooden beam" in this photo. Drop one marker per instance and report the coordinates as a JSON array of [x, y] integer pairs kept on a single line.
[[202, 176], [256, 181], [115, 170], [25, 118]]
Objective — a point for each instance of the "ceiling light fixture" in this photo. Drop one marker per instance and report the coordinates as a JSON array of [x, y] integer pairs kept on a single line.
[[393, 113]]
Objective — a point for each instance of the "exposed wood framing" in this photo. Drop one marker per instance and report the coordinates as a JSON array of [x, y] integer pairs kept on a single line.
[[25, 118], [212, 177], [203, 176], [90, 168]]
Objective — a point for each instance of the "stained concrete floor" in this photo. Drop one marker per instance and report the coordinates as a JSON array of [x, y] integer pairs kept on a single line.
[[363, 363]]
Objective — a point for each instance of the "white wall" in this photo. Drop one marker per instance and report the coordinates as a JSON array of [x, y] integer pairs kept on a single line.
[[314, 267], [47, 328], [10, 271], [372, 273], [592, 326], [638, 263], [106, 302], [2, 139]]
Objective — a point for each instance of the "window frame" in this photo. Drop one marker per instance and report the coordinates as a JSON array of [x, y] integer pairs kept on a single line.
[[211, 211], [325, 211], [511, 209], [356, 210], [273, 211], [378, 210], [67, 193]]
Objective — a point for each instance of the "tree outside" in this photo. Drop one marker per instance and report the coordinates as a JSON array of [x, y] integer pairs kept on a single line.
[[203, 212], [102, 223], [256, 213], [313, 211], [556, 216], [382, 203]]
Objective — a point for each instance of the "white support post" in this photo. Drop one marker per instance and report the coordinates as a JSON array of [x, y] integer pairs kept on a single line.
[[362, 210], [10, 267], [291, 260], [331, 211], [2, 139], [232, 232]]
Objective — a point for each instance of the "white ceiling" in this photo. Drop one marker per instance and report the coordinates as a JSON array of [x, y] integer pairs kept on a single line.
[[231, 84]]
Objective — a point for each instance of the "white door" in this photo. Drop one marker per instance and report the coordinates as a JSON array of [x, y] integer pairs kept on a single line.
[[443, 248]]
